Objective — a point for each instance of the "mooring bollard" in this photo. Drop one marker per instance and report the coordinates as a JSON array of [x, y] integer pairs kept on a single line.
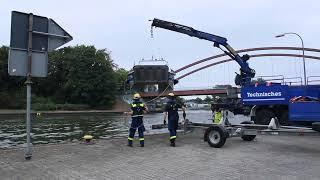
[[87, 138]]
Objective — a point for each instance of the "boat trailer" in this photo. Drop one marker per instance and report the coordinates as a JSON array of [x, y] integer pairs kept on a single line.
[[217, 134]]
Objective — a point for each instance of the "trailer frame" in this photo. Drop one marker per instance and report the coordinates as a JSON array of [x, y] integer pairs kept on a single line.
[[217, 134]]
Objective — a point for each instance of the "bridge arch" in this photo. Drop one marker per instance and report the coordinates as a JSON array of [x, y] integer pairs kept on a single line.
[[248, 50], [252, 56]]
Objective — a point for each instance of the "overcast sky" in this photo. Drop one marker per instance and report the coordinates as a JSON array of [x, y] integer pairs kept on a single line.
[[123, 28]]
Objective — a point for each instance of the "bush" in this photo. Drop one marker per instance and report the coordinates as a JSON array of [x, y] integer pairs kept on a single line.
[[72, 107], [12, 101], [42, 103], [49, 106], [44, 106]]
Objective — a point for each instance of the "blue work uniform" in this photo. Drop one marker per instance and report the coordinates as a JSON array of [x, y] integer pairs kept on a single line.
[[173, 118], [137, 108]]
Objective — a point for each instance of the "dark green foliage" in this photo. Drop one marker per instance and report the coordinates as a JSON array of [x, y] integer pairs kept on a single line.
[[208, 99], [121, 77], [76, 75], [80, 75], [180, 100], [10, 87], [198, 100]]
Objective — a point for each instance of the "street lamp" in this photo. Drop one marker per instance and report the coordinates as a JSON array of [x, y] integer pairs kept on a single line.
[[304, 62]]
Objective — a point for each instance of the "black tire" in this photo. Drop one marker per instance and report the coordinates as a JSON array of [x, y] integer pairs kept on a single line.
[[316, 126], [284, 118], [247, 137], [264, 116], [216, 136], [205, 136]]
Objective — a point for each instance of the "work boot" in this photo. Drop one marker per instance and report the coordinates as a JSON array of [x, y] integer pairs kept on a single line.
[[173, 144], [141, 143], [130, 143]]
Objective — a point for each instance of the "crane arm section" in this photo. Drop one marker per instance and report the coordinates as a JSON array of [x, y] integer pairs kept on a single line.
[[246, 73]]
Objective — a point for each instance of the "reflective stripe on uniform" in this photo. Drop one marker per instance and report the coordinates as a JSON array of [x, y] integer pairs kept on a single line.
[[173, 137], [135, 105], [129, 138], [217, 117], [137, 115], [141, 139]]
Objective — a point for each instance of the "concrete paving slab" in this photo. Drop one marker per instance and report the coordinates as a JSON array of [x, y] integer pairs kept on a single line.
[[267, 157]]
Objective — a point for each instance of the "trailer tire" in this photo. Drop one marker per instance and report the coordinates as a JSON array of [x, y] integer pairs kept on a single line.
[[264, 116], [316, 126], [247, 137], [216, 136]]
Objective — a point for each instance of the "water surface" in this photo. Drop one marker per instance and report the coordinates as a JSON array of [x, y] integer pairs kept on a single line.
[[72, 128]]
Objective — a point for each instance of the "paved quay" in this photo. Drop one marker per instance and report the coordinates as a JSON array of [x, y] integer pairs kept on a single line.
[[268, 157]]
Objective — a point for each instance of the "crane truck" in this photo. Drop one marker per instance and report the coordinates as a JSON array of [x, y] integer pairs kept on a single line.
[[286, 103]]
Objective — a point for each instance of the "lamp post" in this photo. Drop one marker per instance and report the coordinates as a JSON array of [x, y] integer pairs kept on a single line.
[[304, 62]]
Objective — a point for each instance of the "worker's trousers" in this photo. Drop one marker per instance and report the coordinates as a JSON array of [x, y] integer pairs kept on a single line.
[[137, 123]]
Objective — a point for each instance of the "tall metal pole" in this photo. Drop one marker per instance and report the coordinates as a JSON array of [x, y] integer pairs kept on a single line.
[[304, 61], [28, 153]]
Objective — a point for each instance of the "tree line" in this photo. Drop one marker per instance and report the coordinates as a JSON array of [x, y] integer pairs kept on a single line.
[[78, 77]]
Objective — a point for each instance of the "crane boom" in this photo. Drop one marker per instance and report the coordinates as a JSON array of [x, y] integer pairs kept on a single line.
[[246, 73]]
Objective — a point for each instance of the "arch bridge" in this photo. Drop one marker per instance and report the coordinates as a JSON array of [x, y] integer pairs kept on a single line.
[[255, 55]]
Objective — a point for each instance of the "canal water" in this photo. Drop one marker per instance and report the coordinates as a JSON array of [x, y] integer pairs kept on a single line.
[[47, 130]]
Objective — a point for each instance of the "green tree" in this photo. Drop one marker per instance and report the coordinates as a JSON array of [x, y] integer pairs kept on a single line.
[[76, 75], [208, 99], [198, 100], [121, 77], [10, 87], [80, 75], [180, 100]]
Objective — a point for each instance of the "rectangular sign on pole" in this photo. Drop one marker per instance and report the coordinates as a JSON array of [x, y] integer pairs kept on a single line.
[[18, 63], [31, 38], [47, 35]]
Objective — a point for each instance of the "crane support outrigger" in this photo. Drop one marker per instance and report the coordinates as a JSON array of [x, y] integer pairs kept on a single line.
[[246, 73]]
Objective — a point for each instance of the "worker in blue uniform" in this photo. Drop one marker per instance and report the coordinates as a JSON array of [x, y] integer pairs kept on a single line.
[[137, 111], [171, 111]]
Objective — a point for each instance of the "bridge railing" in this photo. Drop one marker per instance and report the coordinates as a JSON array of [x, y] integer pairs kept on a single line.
[[313, 80], [194, 88], [280, 79], [293, 81], [273, 78]]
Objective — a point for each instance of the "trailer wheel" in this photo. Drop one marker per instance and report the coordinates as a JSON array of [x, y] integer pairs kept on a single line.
[[264, 116], [216, 136], [247, 137], [316, 126]]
